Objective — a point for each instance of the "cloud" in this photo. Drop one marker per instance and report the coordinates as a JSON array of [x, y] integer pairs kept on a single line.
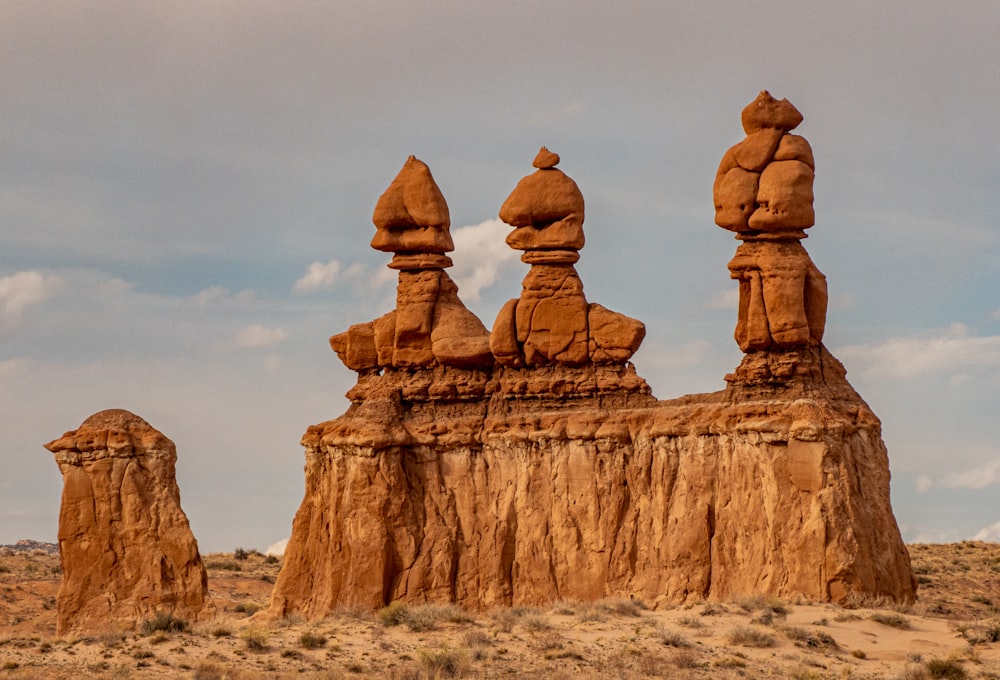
[[22, 290], [258, 336], [990, 533], [951, 350], [318, 276], [923, 484], [725, 299], [277, 549], [480, 256], [220, 295], [978, 477], [995, 314]]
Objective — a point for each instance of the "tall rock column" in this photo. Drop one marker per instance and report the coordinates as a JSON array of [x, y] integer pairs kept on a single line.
[[126, 547], [763, 192]]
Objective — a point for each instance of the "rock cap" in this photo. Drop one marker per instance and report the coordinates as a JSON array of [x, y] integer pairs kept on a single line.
[[767, 112]]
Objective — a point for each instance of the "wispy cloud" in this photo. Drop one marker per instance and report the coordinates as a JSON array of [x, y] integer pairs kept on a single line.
[[481, 256], [318, 276], [220, 295], [978, 477], [952, 350], [725, 299], [22, 290], [257, 336], [990, 533]]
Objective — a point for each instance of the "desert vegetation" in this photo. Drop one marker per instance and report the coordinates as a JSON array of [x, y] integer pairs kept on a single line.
[[951, 631]]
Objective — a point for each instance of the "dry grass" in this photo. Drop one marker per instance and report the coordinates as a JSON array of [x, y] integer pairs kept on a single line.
[[621, 638]]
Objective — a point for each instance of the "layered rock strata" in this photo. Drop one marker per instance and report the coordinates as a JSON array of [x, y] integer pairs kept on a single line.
[[555, 474], [126, 548]]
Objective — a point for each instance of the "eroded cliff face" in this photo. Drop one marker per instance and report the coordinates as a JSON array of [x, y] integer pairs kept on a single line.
[[546, 470], [765, 487], [126, 547]]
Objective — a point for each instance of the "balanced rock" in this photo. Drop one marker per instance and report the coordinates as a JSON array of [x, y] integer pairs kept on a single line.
[[126, 547], [555, 474], [763, 192], [430, 325], [551, 321]]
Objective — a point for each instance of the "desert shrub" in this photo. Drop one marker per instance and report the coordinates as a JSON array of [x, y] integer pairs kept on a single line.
[[536, 623], [859, 654], [430, 616], [271, 559], [713, 609], [207, 670], [949, 669], [504, 620], [911, 672], [803, 637], [168, 623], [747, 636], [981, 632], [220, 631], [241, 554], [312, 640], [443, 662], [891, 619], [690, 622], [394, 614], [248, 608], [685, 658], [672, 638], [254, 638], [142, 654]]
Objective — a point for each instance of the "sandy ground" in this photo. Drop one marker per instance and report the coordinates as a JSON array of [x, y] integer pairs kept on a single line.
[[952, 631]]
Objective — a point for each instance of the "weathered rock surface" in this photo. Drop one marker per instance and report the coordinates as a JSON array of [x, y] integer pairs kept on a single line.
[[774, 485], [126, 547], [430, 325], [763, 191], [551, 321], [555, 474]]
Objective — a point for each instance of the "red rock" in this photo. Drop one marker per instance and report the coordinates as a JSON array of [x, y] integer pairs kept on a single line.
[[784, 197], [126, 547], [412, 215], [767, 112]]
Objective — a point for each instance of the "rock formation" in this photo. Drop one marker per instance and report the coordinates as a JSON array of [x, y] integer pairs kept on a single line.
[[552, 321], [555, 474], [763, 192], [430, 325], [126, 547]]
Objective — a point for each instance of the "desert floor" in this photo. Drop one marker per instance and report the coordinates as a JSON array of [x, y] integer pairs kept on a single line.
[[952, 631]]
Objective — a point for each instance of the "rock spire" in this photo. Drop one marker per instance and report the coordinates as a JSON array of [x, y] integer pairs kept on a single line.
[[430, 326], [126, 547], [764, 192], [552, 322]]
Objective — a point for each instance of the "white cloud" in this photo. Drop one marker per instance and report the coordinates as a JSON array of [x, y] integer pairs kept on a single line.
[[258, 336], [990, 533], [480, 256], [22, 290], [278, 548], [725, 299], [923, 483], [220, 295], [951, 350], [978, 477], [318, 276], [995, 314]]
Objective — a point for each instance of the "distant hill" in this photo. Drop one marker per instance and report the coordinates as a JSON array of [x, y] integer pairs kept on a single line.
[[27, 545]]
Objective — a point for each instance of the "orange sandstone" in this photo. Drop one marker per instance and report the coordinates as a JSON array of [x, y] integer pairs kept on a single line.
[[126, 547]]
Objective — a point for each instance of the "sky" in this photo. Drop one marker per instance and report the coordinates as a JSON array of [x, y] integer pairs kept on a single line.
[[186, 191]]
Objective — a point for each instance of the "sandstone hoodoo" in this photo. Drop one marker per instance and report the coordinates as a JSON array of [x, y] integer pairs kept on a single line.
[[430, 326], [551, 472], [126, 548]]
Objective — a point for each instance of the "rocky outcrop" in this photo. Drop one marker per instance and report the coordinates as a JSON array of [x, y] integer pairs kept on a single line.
[[763, 192], [430, 325], [555, 474], [552, 322], [126, 547]]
